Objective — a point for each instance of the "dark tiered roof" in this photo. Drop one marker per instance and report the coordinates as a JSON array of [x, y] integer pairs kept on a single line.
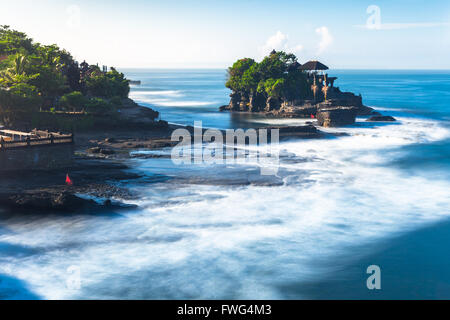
[[295, 66], [314, 65]]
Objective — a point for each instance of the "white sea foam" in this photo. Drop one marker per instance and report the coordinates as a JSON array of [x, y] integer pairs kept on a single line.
[[171, 93], [164, 101]]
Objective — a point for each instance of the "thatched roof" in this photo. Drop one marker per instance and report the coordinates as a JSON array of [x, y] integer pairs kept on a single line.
[[294, 66], [273, 52], [314, 65]]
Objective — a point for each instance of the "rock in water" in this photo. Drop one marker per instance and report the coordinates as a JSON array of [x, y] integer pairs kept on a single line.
[[382, 118], [336, 116]]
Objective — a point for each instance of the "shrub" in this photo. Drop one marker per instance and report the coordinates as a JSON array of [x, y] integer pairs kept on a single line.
[[74, 101]]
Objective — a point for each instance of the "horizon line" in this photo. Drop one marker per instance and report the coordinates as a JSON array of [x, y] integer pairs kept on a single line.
[[225, 68]]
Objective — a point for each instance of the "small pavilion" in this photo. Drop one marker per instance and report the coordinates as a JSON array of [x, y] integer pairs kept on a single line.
[[313, 67]]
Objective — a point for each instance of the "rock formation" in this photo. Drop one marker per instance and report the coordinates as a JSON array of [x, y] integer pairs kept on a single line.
[[336, 116], [381, 118]]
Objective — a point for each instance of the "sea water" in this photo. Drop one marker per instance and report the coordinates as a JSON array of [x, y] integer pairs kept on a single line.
[[376, 196]]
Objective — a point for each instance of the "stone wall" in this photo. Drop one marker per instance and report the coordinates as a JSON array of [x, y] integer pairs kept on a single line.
[[41, 158]]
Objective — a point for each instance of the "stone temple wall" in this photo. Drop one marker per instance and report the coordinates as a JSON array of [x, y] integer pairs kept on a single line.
[[41, 158]]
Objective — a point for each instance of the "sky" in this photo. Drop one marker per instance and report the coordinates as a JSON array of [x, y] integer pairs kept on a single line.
[[213, 34]]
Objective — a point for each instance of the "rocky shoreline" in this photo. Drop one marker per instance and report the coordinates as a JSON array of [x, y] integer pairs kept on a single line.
[[100, 164]]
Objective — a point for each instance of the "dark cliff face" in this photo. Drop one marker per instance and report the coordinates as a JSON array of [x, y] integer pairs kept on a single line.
[[304, 108]]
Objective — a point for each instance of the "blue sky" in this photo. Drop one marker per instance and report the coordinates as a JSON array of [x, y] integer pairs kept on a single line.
[[212, 34]]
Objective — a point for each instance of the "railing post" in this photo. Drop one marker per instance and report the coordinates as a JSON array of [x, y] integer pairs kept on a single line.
[[51, 139], [28, 141]]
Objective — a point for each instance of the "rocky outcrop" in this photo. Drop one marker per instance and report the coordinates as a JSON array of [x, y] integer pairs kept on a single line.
[[307, 108], [45, 201], [381, 118], [272, 104], [234, 101], [257, 102], [339, 108], [131, 111], [102, 151], [308, 131], [55, 202], [297, 109], [336, 116]]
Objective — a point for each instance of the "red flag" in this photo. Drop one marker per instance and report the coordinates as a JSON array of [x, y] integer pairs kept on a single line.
[[68, 181], [312, 116]]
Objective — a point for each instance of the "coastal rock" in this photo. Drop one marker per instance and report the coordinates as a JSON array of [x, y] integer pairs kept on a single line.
[[302, 109], [69, 202], [336, 116], [272, 104], [381, 118], [308, 131], [364, 111], [107, 152], [94, 150], [45, 201], [234, 101], [102, 151], [256, 103]]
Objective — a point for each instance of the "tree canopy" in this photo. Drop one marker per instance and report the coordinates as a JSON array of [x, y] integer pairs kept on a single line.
[[272, 77], [37, 77]]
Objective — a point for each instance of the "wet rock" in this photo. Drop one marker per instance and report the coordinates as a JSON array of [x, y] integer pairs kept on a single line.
[[301, 110], [234, 101], [94, 150], [256, 103], [45, 201], [382, 118], [364, 111], [69, 202], [272, 104], [107, 152], [308, 131], [336, 116]]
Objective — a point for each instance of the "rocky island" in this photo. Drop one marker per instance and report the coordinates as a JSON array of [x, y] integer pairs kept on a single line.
[[280, 86]]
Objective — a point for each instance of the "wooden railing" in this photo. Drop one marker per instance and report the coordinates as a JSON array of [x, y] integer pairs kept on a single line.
[[32, 142]]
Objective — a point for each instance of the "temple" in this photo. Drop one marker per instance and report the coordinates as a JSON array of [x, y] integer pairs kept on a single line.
[[324, 101]]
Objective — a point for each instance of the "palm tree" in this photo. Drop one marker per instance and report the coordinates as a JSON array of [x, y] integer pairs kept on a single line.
[[16, 70]]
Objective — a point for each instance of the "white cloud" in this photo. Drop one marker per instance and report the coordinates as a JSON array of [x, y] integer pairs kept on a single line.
[[279, 41], [326, 40], [396, 26]]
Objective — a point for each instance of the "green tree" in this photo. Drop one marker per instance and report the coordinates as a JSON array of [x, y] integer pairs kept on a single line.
[[108, 85], [74, 101], [99, 106], [236, 72], [270, 77]]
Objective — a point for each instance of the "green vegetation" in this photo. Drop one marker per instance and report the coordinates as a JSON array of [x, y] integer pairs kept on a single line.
[[37, 79], [275, 76]]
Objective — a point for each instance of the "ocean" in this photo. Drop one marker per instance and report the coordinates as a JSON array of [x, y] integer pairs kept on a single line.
[[376, 196]]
